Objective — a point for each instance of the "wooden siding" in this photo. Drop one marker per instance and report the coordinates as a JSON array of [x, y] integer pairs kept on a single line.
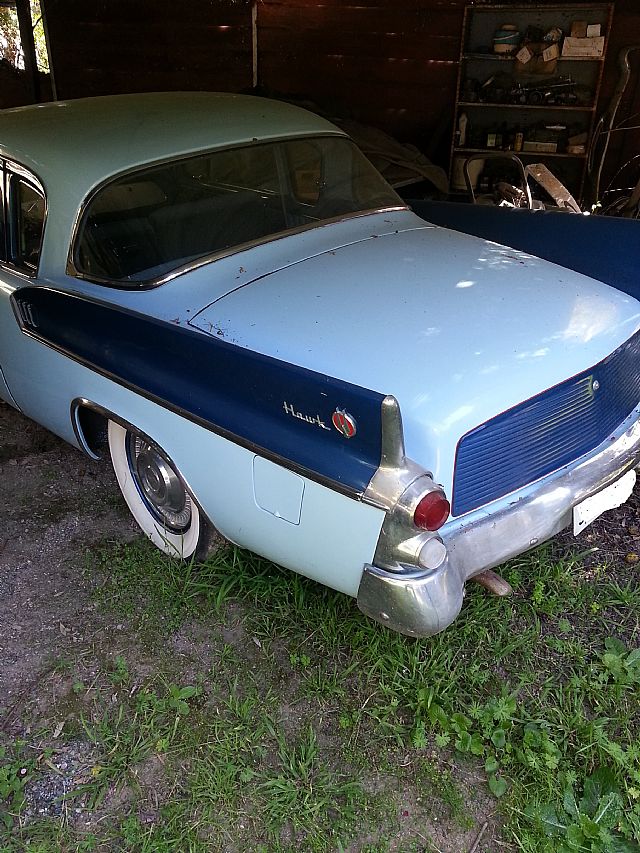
[[391, 64], [110, 46]]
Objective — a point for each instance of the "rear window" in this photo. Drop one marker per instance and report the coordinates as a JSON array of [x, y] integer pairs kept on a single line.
[[145, 225]]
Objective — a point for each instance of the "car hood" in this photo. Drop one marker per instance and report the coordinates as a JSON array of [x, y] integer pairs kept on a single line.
[[457, 328]]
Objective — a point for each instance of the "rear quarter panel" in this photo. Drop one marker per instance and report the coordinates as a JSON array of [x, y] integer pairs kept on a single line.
[[331, 536]]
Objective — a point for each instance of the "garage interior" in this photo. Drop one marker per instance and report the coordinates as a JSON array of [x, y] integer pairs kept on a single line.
[[396, 67], [210, 667]]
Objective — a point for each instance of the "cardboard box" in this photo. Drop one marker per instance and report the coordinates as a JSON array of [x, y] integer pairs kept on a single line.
[[524, 55], [594, 30], [578, 139], [540, 147], [578, 29], [588, 47], [551, 52]]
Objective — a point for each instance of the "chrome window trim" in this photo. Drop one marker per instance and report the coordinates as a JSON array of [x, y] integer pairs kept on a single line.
[[3, 212], [23, 171], [73, 271], [14, 168], [151, 284]]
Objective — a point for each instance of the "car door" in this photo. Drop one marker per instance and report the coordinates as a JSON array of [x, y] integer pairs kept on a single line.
[[22, 219], [5, 394]]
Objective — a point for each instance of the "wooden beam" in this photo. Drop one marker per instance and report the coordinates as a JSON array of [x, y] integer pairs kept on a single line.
[[28, 48]]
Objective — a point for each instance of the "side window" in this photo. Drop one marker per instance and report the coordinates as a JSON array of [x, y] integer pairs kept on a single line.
[[28, 211], [3, 218]]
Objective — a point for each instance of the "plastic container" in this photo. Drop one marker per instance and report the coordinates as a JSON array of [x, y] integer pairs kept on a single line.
[[457, 176], [506, 39]]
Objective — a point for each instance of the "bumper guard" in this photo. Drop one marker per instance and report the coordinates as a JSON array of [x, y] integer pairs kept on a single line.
[[420, 602]]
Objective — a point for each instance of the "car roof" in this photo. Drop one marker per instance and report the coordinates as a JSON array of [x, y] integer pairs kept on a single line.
[[83, 142]]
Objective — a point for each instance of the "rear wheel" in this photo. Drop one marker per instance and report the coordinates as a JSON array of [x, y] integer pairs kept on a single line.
[[157, 496]]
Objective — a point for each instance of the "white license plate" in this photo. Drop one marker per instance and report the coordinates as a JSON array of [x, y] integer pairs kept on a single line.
[[610, 498]]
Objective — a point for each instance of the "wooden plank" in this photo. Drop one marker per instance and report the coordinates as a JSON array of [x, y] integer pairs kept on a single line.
[[118, 46], [358, 97], [333, 19], [395, 7], [121, 12], [391, 65], [344, 71], [95, 82], [396, 45], [113, 55]]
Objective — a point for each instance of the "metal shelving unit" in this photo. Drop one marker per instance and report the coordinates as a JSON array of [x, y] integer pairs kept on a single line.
[[487, 118]]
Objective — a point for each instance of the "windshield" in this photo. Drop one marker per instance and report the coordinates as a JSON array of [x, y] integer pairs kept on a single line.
[[146, 224]]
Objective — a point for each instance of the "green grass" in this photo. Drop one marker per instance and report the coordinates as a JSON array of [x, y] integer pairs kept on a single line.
[[289, 721]]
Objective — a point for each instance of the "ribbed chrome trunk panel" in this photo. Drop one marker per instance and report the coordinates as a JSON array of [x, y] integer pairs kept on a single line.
[[546, 432]]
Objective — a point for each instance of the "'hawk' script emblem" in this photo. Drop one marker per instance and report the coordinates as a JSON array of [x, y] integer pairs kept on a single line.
[[316, 420]]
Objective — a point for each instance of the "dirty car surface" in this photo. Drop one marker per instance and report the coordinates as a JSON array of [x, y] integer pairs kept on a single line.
[[221, 293]]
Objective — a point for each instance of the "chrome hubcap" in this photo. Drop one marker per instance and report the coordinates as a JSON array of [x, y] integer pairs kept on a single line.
[[159, 485]]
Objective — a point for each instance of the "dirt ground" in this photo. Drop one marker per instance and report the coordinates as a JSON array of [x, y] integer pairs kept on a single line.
[[56, 502]]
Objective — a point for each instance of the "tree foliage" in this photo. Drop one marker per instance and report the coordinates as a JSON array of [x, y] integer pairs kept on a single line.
[[10, 42]]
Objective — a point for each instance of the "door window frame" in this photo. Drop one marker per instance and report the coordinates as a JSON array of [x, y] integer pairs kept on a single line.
[[13, 175]]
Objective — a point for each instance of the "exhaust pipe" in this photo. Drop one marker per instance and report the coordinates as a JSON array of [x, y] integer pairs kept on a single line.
[[494, 583]]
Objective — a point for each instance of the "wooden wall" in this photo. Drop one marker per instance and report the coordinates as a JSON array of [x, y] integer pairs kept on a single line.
[[625, 31], [389, 63], [392, 65], [109, 46], [15, 90]]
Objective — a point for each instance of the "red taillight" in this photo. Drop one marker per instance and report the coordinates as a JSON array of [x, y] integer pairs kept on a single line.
[[432, 511]]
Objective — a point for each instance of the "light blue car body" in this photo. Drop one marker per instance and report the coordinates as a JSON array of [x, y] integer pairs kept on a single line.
[[438, 339]]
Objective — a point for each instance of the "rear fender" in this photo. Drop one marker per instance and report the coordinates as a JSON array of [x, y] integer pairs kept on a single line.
[[281, 411]]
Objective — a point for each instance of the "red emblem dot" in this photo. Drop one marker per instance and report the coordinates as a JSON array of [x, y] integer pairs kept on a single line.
[[344, 423]]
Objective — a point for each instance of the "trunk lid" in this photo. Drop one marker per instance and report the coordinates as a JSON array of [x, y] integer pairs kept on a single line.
[[457, 328]]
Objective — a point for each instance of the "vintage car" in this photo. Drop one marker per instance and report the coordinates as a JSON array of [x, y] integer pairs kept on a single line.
[[223, 292]]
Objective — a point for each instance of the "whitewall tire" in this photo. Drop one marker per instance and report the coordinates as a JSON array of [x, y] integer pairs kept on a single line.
[[157, 496]]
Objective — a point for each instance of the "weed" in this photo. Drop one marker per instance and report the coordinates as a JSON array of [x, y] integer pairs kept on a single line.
[[323, 682], [150, 724], [534, 693], [437, 783], [305, 794], [119, 674], [14, 774], [588, 823]]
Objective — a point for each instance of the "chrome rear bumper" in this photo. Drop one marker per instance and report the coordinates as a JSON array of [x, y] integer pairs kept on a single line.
[[420, 602]]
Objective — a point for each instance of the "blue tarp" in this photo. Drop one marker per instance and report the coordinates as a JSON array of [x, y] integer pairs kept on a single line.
[[603, 247]]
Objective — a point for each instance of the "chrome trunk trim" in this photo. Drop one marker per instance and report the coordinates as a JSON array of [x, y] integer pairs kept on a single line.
[[505, 528], [420, 602]]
